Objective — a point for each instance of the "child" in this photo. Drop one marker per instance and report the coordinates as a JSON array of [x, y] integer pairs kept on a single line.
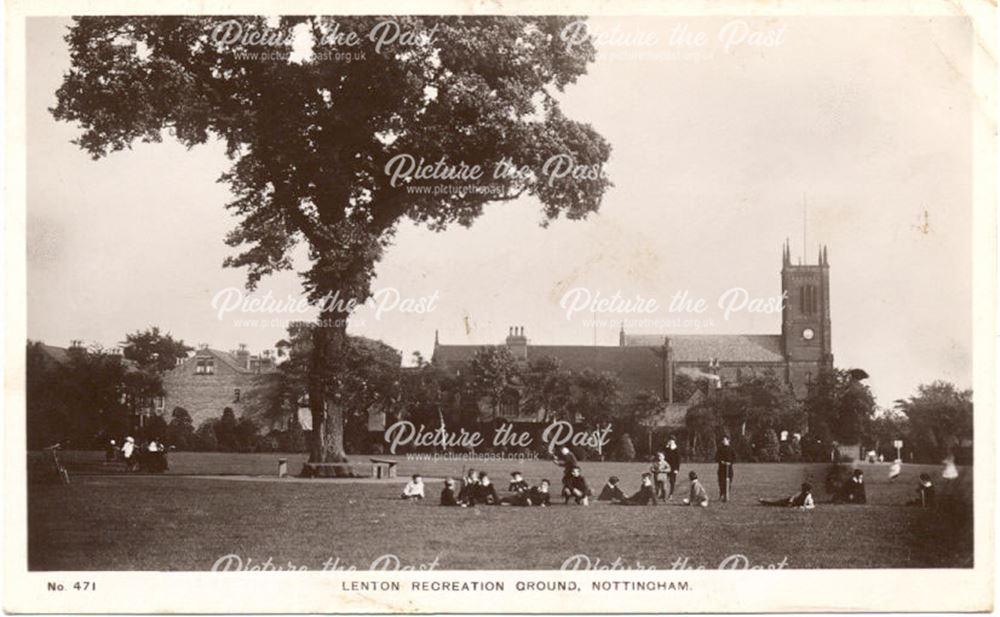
[[520, 488], [130, 455], [645, 496], [698, 496], [468, 487], [925, 493], [575, 487], [854, 489], [484, 492], [725, 457], [661, 473], [414, 489], [448, 494], [674, 460], [517, 483], [539, 495], [803, 500], [611, 492], [567, 460]]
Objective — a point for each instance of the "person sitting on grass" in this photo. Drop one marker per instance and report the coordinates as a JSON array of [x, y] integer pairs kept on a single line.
[[698, 495], [448, 497], [661, 474], [575, 487], [484, 492], [539, 495], [802, 500], [925, 493], [853, 490], [611, 491], [414, 489], [519, 486], [646, 495], [517, 483], [469, 483]]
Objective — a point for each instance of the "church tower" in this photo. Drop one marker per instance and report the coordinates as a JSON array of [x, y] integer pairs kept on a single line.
[[805, 320]]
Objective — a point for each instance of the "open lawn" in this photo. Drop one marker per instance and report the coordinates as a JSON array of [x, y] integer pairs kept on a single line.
[[192, 516]]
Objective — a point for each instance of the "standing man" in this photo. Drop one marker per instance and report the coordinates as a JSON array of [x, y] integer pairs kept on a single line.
[[674, 459], [725, 457]]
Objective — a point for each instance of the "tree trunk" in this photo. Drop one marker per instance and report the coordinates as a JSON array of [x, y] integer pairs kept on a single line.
[[327, 439]]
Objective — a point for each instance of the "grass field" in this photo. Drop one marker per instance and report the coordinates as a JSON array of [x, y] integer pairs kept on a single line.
[[192, 516]]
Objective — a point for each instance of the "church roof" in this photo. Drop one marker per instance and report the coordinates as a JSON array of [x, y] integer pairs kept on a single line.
[[723, 347]]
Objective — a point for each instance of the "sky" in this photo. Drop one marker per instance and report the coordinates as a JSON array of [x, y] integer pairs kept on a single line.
[[849, 132]]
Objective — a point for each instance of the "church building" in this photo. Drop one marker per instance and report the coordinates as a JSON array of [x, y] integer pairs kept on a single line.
[[649, 362]]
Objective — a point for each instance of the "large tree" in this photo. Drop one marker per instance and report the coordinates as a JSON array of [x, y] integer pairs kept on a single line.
[[84, 396], [154, 351], [940, 417], [595, 396], [840, 406], [547, 387], [493, 374], [312, 136]]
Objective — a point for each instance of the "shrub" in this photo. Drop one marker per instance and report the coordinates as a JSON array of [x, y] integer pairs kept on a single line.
[[204, 437], [180, 431], [768, 447], [245, 435], [626, 449]]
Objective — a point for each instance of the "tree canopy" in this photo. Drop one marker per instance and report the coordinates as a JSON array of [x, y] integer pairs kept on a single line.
[[318, 144]]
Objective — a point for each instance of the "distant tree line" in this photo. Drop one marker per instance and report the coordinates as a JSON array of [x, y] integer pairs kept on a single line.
[[92, 395], [86, 395]]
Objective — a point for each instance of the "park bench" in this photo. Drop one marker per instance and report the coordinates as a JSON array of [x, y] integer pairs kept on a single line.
[[383, 468]]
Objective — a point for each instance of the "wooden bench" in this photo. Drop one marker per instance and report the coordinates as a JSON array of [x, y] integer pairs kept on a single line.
[[383, 468]]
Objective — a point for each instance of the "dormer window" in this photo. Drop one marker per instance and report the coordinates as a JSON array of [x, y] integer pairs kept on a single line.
[[205, 366]]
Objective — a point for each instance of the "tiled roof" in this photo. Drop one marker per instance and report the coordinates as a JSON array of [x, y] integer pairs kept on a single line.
[[59, 355], [723, 347], [673, 415], [638, 368], [228, 358]]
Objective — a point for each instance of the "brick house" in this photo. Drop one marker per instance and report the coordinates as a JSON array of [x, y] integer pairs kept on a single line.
[[209, 380]]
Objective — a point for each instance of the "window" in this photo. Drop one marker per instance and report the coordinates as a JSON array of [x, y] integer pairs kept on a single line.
[[236, 395], [508, 406], [808, 300], [204, 366], [199, 368], [159, 403]]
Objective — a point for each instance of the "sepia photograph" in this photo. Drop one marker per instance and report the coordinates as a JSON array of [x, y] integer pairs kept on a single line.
[[568, 309]]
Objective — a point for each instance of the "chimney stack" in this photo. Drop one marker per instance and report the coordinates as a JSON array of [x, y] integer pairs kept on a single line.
[[517, 343], [243, 356]]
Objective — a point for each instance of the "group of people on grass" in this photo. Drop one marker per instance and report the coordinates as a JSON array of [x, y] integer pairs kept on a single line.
[[147, 456], [657, 484]]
